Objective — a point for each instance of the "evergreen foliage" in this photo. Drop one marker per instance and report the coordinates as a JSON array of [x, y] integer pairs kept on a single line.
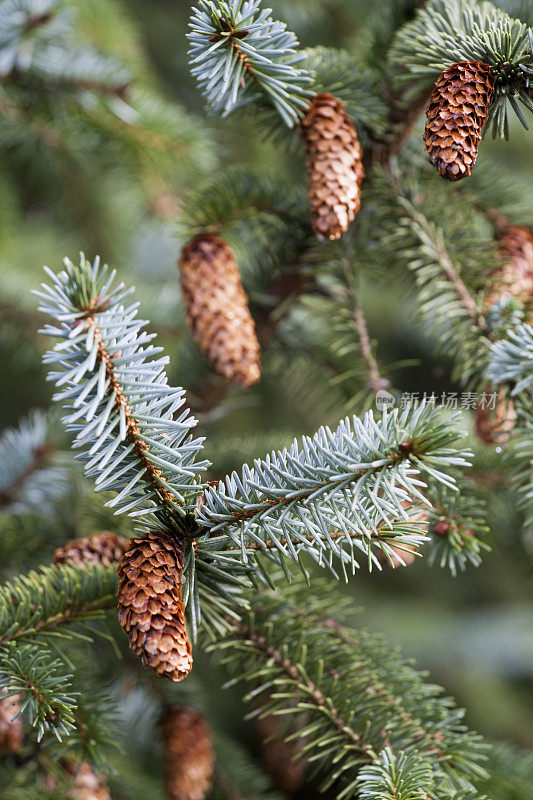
[[33, 475], [235, 43], [464, 31], [345, 683], [98, 149]]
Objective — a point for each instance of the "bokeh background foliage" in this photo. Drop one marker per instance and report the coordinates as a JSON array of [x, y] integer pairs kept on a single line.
[[77, 182]]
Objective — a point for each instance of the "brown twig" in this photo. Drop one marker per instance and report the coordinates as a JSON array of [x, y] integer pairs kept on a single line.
[[405, 450], [421, 734], [467, 301], [375, 381], [315, 696], [140, 448], [378, 535]]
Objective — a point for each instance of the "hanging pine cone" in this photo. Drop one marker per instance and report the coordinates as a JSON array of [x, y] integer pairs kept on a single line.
[[217, 309], [86, 784], [458, 110], [150, 606], [515, 276], [406, 554], [102, 548], [333, 157], [11, 730], [280, 758], [189, 758], [494, 425]]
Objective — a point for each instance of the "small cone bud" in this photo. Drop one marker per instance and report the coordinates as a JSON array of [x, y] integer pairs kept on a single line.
[[333, 158], [441, 528], [279, 757], [217, 309], [11, 730], [515, 276], [494, 424], [189, 758], [102, 548], [150, 605], [405, 554], [456, 115], [87, 784]]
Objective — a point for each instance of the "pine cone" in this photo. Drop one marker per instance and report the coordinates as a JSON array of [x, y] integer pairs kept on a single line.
[[86, 784], [189, 758], [494, 425], [102, 548], [515, 277], [150, 606], [406, 554], [458, 110], [333, 158], [279, 757], [217, 309], [11, 730]]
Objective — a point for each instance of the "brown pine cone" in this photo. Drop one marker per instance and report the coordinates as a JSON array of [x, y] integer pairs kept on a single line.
[[456, 115], [406, 554], [102, 548], [150, 605], [217, 309], [279, 757], [515, 276], [333, 158], [11, 730], [189, 757], [86, 784], [494, 425]]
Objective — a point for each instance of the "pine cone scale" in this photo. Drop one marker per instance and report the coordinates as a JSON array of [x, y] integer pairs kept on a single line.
[[333, 159], [189, 757], [150, 604], [102, 548], [217, 309], [456, 115]]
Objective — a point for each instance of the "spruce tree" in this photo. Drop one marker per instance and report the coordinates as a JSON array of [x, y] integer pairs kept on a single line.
[[177, 609]]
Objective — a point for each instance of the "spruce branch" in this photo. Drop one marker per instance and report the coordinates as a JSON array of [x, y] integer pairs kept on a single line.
[[431, 240], [445, 303], [340, 491], [57, 68], [296, 665], [19, 119], [511, 360], [457, 526], [238, 53], [37, 50], [406, 777], [41, 603], [44, 691], [33, 475], [25, 26], [129, 424], [445, 32]]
